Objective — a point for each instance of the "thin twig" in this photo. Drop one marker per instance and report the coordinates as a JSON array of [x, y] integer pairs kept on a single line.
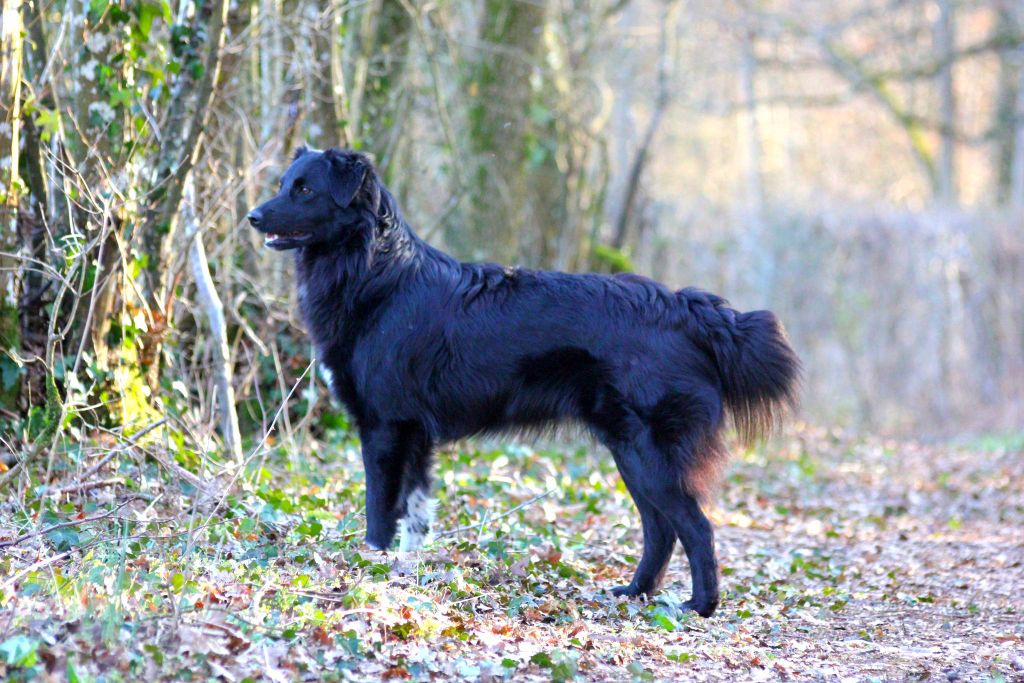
[[61, 525], [87, 485], [81, 549], [489, 520], [121, 447]]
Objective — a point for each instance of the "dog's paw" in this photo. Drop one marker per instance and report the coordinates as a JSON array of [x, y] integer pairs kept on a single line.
[[704, 608], [378, 543], [628, 591], [412, 541]]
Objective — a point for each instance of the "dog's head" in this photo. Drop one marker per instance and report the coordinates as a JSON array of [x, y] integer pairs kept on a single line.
[[325, 197]]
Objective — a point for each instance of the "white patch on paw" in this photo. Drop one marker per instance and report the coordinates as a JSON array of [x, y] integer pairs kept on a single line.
[[415, 526]]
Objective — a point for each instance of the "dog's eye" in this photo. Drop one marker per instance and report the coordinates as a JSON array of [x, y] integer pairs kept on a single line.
[[305, 190]]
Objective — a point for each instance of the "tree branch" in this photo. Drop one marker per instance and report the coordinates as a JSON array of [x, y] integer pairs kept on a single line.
[[180, 147]]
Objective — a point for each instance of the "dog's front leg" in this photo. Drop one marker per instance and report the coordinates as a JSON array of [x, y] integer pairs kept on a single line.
[[415, 506], [384, 463], [418, 518], [396, 457]]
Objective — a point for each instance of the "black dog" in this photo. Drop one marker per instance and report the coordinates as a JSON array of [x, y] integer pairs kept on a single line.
[[424, 349]]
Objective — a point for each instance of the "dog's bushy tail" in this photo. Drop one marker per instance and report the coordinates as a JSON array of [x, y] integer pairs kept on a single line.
[[759, 370]]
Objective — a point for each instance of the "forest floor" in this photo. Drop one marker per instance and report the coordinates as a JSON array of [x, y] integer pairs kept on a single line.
[[842, 559]]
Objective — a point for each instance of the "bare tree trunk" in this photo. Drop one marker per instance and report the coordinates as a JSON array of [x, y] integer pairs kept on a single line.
[[34, 237], [339, 96], [624, 130], [419, 23], [501, 95], [945, 40], [383, 92], [10, 130], [758, 257], [11, 45], [1005, 121], [751, 132], [212, 307], [1016, 171], [271, 56], [661, 102], [1017, 166], [361, 69], [106, 282]]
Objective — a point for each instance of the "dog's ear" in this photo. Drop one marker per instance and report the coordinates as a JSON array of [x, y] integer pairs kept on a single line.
[[347, 176], [301, 151]]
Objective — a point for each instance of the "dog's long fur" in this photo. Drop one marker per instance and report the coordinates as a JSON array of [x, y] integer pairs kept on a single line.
[[423, 349]]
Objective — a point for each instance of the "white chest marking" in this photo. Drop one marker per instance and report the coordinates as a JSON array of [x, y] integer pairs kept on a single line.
[[327, 376]]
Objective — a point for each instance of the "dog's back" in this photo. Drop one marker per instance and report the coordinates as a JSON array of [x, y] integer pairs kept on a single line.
[[488, 348]]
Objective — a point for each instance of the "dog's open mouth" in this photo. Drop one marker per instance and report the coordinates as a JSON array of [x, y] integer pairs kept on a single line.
[[274, 239]]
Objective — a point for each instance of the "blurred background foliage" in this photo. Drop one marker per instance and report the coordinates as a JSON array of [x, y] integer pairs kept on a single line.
[[857, 166]]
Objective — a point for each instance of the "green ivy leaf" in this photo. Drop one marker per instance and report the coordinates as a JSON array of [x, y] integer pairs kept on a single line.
[[542, 659], [148, 11], [65, 538], [96, 9], [19, 651], [311, 527], [10, 371], [661, 618]]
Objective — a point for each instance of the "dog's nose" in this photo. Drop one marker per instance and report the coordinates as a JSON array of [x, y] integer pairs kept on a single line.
[[254, 217]]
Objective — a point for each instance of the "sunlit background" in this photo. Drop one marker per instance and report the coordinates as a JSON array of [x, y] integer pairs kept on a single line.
[[856, 166]]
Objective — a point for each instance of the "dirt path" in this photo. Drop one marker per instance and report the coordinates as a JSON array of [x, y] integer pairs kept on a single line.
[[910, 562]]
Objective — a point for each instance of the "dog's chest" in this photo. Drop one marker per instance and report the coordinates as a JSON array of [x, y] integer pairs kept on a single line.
[[334, 342], [339, 381], [323, 312]]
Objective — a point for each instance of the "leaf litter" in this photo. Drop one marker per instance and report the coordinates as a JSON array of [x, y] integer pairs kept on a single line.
[[843, 558]]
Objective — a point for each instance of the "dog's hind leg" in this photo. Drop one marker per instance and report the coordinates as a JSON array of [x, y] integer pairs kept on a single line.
[[694, 530], [396, 461], [659, 536], [668, 495], [651, 477]]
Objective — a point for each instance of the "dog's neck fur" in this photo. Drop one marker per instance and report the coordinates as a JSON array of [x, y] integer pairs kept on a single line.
[[364, 269]]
